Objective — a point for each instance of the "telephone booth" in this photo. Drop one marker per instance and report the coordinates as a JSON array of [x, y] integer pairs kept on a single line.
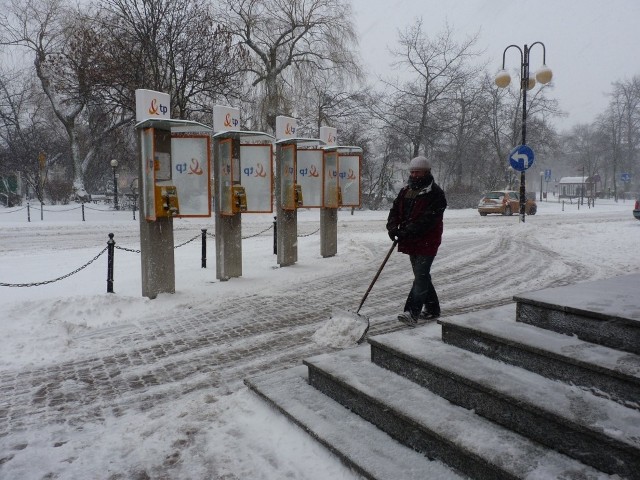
[[298, 184], [341, 188], [174, 170], [243, 183]]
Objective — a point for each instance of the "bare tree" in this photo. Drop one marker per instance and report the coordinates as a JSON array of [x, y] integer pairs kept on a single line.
[[173, 46], [617, 125], [587, 149], [308, 35], [463, 149], [621, 121], [30, 143], [437, 68], [66, 54]]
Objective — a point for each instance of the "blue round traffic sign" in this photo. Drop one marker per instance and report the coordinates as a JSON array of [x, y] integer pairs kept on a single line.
[[521, 157]]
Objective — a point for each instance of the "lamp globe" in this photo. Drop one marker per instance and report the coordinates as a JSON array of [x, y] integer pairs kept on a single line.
[[544, 74], [503, 79]]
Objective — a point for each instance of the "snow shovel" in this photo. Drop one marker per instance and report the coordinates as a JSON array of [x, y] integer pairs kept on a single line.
[[363, 321]]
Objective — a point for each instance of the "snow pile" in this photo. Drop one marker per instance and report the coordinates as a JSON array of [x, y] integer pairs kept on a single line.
[[58, 328], [342, 330]]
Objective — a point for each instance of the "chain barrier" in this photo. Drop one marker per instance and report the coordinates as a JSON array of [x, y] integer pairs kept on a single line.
[[112, 244], [16, 210], [37, 284], [98, 209], [127, 249], [213, 235], [41, 209], [188, 241], [65, 210], [176, 246], [309, 234], [259, 233]]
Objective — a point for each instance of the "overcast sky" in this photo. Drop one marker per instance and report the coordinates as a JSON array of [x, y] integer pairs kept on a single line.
[[589, 43]]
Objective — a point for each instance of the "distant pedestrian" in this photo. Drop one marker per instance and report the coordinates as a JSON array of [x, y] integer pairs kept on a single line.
[[415, 221]]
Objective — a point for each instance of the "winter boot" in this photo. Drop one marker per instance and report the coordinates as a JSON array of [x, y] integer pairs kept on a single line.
[[408, 319]]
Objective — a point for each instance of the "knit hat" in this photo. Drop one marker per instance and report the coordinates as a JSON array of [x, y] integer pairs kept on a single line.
[[419, 163]]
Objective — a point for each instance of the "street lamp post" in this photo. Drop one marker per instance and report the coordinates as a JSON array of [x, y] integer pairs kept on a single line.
[[134, 191], [541, 177], [543, 75], [114, 165]]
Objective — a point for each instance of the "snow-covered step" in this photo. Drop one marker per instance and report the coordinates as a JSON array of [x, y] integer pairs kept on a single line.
[[495, 333], [432, 425], [592, 429], [603, 311], [358, 443]]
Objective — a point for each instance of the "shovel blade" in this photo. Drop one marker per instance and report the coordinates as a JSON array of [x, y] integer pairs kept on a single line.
[[342, 329], [357, 324]]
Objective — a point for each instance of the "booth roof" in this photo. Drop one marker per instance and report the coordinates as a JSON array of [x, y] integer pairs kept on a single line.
[[244, 134], [344, 148], [300, 141], [173, 125]]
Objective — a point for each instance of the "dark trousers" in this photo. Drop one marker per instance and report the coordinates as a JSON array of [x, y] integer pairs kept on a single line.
[[422, 291]]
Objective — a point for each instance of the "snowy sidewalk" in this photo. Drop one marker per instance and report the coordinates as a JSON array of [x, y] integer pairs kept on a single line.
[[202, 347]]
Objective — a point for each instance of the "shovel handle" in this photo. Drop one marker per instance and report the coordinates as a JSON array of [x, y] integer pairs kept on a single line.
[[384, 262]]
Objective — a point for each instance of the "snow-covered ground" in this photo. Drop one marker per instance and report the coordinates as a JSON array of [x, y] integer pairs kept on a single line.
[[225, 431]]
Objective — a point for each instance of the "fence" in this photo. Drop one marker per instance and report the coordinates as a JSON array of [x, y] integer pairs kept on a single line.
[[82, 208], [112, 247]]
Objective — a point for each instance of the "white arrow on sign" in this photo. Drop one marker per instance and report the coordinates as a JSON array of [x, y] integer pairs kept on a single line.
[[521, 157]]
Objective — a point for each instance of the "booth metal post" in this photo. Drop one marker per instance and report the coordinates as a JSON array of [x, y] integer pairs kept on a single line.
[[328, 232], [228, 228], [329, 211], [156, 237], [287, 220]]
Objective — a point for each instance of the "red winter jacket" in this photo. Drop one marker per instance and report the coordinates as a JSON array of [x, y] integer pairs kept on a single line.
[[416, 219]]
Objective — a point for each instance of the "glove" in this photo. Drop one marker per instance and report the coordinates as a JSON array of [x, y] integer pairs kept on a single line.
[[397, 234]]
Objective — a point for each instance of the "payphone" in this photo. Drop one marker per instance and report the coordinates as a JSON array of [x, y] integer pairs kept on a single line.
[[166, 201], [298, 200], [239, 199], [295, 192]]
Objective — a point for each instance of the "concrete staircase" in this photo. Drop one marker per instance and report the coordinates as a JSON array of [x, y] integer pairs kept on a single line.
[[548, 387]]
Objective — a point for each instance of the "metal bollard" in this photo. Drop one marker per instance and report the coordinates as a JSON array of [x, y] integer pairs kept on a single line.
[[275, 235], [83, 212], [110, 251], [41, 212], [28, 212], [204, 248]]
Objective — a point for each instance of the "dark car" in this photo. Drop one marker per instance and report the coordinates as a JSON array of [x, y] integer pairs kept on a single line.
[[636, 210]]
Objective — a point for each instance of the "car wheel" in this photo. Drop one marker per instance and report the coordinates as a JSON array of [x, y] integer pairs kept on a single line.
[[483, 214], [532, 211], [507, 211]]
